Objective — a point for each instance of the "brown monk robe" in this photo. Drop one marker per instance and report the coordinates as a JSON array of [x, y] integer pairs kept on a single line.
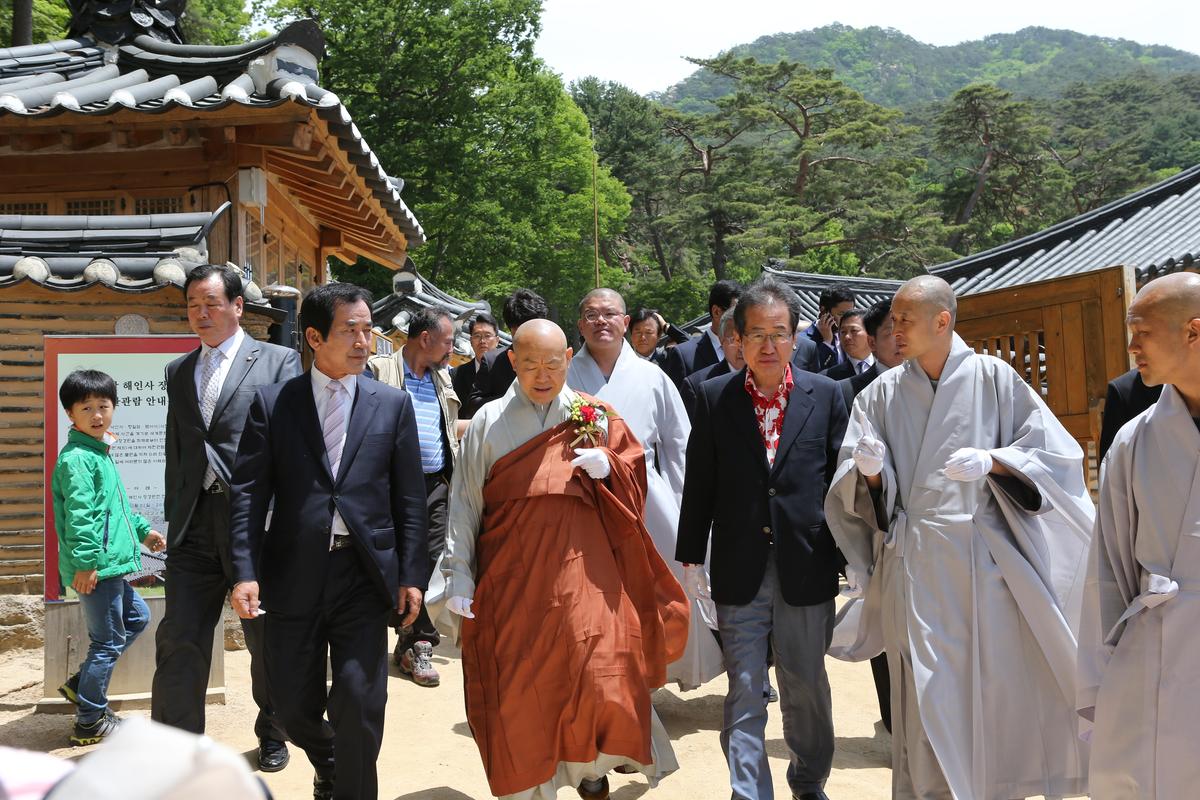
[[577, 615]]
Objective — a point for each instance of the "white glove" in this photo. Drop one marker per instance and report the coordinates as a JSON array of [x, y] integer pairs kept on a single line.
[[593, 461], [856, 585], [695, 582], [460, 605], [968, 464], [868, 455]]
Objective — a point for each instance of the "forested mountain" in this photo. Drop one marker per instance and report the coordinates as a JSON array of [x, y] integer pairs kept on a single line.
[[895, 70]]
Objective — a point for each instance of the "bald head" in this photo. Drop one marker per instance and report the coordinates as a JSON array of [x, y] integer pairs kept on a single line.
[[930, 293], [602, 297], [540, 357], [1164, 332]]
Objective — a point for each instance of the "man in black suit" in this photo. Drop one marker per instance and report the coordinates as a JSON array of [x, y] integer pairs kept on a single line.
[[856, 349], [1127, 397], [495, 373], [806, 356], [484, 338], [731, 348], [208, 393], [833, 302], [337, 455], [704, 350], [762, 452]]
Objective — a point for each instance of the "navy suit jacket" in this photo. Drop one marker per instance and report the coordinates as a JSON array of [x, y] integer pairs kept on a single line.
[[827, 354], [1127, 397], [379, 491], [692, 356], [492, 378], [691, 386], [730, 488], [807, 355], [856, 383]]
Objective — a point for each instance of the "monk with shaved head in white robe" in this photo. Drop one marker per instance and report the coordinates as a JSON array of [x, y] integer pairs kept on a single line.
[[961, 507], [1139, 655]]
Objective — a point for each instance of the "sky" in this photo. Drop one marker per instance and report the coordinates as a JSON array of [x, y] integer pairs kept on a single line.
[[642, 43]]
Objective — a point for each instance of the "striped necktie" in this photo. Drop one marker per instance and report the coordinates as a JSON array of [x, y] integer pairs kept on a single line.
[[334, 425], [210, 389]]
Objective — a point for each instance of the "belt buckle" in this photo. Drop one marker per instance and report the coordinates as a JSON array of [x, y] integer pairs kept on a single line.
[[215, 488], [340, 543]]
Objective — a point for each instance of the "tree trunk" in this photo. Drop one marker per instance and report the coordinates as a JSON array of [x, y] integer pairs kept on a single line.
[[22, 22], [660, 254], [720, 255], [968, 208]]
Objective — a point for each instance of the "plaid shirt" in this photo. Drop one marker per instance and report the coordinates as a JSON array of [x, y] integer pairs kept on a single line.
[[769, 411]]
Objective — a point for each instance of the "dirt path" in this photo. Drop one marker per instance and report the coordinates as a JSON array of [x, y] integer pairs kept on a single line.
[[428, 753]]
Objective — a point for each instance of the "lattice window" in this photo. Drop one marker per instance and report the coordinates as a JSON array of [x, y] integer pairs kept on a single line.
[[158, 205], [1025, 352], [25, 207], [92, 205]]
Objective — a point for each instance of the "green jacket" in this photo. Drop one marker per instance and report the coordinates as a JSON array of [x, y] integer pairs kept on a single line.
[[96, 528]]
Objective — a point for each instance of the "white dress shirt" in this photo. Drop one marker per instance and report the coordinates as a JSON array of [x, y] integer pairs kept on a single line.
[[319, 381], [716, 343], [854, 362], [229, 349]]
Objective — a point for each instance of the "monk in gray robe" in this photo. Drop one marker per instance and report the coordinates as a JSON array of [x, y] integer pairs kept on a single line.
[[961, 507], [568, 615], [1139, 653]]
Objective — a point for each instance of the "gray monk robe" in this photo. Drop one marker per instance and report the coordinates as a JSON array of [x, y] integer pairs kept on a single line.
[[975, 587], [1139, 646]]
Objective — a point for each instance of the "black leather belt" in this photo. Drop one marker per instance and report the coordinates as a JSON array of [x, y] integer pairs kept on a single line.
[[216, 488], [340, 543]]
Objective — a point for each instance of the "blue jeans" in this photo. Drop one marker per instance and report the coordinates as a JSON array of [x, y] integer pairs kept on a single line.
[[799, 635], [115, 614]]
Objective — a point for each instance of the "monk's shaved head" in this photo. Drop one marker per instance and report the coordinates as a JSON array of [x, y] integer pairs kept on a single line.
[[1164, 333], [540, 357], [540, 334], [604, 296], [930, 293], [1174, 298]]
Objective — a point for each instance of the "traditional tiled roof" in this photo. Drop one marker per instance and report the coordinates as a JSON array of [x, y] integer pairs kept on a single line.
[[1156, 231], [808, 287], [132, 253], [84, 76], [411, 293]]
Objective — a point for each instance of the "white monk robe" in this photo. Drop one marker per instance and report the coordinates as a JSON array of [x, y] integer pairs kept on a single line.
[[1139, 647], [975, 587], [497, 429], [649, 403]]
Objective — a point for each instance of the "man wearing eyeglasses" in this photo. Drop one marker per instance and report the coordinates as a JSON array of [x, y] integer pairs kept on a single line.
[[762, 452], [484, 338]]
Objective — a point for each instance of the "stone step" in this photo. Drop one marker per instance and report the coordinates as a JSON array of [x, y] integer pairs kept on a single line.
[[22, 584], [21, 566]]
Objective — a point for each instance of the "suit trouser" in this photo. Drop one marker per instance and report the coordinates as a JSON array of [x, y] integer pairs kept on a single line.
[[437, 494], [198, 578], [799, 636], [349, 624]]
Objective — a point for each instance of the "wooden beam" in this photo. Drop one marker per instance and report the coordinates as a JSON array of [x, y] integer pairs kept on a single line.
[[177, 135], [29, 142], [330, 239], [83, 141], [235, 115], [288, 135], [132, 139], [75, 165]]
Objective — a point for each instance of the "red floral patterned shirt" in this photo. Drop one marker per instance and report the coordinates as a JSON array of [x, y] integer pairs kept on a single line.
[[769, 411]]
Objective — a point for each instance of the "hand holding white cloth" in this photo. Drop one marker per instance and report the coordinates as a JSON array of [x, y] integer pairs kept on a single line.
[[461, 606], [968, 464], [856, 584], [695, 582], [593, 461], [868, 455]]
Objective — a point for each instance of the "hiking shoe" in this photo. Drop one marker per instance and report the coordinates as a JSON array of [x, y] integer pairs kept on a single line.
[[83, 735], [770, 695], [417, 663], [70, 690]]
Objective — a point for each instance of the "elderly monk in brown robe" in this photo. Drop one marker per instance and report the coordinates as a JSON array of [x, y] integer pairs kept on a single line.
[[568, 615]]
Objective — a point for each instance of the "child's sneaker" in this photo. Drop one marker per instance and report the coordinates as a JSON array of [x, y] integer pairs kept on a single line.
[[84, 735], [70, 689]]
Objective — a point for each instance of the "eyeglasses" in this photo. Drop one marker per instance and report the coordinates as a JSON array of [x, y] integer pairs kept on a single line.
[[592, 317], [482, 337], [757, 339]]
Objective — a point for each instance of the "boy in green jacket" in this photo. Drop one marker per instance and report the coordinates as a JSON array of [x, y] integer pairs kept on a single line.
[[98, 538]]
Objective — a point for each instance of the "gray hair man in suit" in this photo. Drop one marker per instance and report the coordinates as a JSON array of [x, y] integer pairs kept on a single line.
[[209, 392]]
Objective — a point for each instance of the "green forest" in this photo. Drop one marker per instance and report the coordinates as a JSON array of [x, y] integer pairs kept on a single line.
[[836, 150]]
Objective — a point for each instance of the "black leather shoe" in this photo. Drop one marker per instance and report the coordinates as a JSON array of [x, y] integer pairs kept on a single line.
[[811, 796], [272, 755], [323, 786]]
